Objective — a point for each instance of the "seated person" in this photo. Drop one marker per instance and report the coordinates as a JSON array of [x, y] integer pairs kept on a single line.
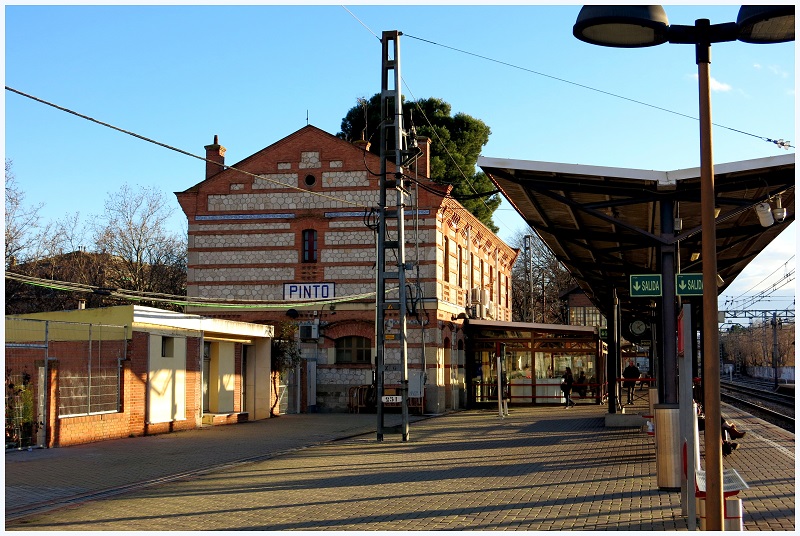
[[727, 427], [581, 385], [731, 429], [593, 390]]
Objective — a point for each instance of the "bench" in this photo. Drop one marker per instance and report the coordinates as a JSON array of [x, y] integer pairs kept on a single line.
[[358, 398], [732, 484]]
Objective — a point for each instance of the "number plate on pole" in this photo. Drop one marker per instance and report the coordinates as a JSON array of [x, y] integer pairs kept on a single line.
[[391, 399]]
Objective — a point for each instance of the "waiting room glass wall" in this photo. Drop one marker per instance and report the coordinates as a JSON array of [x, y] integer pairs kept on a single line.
[[533, 360]]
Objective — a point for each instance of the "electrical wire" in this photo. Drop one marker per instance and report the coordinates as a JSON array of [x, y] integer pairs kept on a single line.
[[433, 130], [763, 280], [181, 151], [452, 159], [362, 24], [185, 301], [761, 296], [780, 143]]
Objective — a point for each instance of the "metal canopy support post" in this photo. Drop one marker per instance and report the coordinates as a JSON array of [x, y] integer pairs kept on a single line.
[[713, 433], [775, 352], [687, 413], [613, 357], [668, 314], [393, 147]]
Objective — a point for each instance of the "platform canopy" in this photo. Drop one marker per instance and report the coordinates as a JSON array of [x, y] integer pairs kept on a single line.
[[605, 224]]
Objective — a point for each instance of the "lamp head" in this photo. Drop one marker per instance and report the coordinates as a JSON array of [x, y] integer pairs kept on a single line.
[[779, 213], [622, 26], [764, 213], [766, 24]]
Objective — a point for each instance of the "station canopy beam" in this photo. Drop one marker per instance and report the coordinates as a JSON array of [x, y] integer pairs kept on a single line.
[[603, 224]]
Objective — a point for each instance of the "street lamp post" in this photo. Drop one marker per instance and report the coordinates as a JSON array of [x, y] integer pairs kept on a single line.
[[642, 26]]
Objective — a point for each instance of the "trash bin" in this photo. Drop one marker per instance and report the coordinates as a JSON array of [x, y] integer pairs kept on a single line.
[[653, 398], [668, 446], [733, 513]]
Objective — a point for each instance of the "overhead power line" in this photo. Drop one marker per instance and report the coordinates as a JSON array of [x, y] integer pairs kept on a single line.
[[763, 280], [764, 294], [187, 153], [783, 144], [476, 194], [136, 296], [181, 151]]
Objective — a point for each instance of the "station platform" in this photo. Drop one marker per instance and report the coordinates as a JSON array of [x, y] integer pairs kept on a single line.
[[539, 468]]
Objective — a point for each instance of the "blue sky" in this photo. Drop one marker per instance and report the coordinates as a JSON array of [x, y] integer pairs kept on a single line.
[[254, 74]]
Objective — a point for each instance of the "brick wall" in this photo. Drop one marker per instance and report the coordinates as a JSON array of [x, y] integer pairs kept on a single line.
[[130, 420], [245, 243]]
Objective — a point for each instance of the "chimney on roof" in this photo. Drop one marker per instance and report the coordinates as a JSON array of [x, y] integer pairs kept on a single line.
[[215, 158]]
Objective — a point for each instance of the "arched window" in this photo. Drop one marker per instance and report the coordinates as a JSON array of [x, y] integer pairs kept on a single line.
[[309, 245], [353, 349]]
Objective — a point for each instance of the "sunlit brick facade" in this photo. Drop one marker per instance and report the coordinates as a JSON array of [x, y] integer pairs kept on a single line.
[[289, 224]]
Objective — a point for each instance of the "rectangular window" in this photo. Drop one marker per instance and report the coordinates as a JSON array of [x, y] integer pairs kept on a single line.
[[446, 275], [460, 267], [353, 349], [309, 245], [167, 347], [471, 270]]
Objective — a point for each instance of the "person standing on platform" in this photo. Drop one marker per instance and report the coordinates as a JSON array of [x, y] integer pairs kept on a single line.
[[566, 386], [631, 373]]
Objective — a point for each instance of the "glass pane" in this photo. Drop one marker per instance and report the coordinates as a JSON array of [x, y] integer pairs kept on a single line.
[[544, 366]]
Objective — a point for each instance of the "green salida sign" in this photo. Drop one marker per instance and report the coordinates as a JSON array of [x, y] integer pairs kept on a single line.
[[645, 285], [689, 284]]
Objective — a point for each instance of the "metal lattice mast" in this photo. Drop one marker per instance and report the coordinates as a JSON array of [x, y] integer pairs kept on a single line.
[[393, 149]]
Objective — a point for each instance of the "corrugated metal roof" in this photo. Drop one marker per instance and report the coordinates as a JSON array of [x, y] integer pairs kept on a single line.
[[604, 223]]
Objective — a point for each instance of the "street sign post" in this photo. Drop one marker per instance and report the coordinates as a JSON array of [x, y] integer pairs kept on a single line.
[[689, 284], [645, 285]]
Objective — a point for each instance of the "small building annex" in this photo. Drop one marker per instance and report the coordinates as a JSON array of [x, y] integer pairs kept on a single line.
[[294, 225], [92, 374]]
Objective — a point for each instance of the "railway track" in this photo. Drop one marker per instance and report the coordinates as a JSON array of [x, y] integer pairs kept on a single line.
[[775, 408]]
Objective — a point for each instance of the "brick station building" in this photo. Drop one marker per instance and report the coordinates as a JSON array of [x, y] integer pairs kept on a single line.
[[291, 224]]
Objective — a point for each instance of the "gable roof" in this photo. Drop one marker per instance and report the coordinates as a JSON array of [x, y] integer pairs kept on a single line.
[[301, 136]]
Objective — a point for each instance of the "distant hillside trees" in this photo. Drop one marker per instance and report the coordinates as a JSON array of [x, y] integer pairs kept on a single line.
[[26, 237], [753, 345], [127, 246], [134, 230]]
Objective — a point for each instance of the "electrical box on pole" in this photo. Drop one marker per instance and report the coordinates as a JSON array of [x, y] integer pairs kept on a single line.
[[396, 151]]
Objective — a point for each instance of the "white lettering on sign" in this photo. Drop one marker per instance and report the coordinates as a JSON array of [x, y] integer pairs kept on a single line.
[[648, 285], [308, 291], [645, 285], [689, 284]]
